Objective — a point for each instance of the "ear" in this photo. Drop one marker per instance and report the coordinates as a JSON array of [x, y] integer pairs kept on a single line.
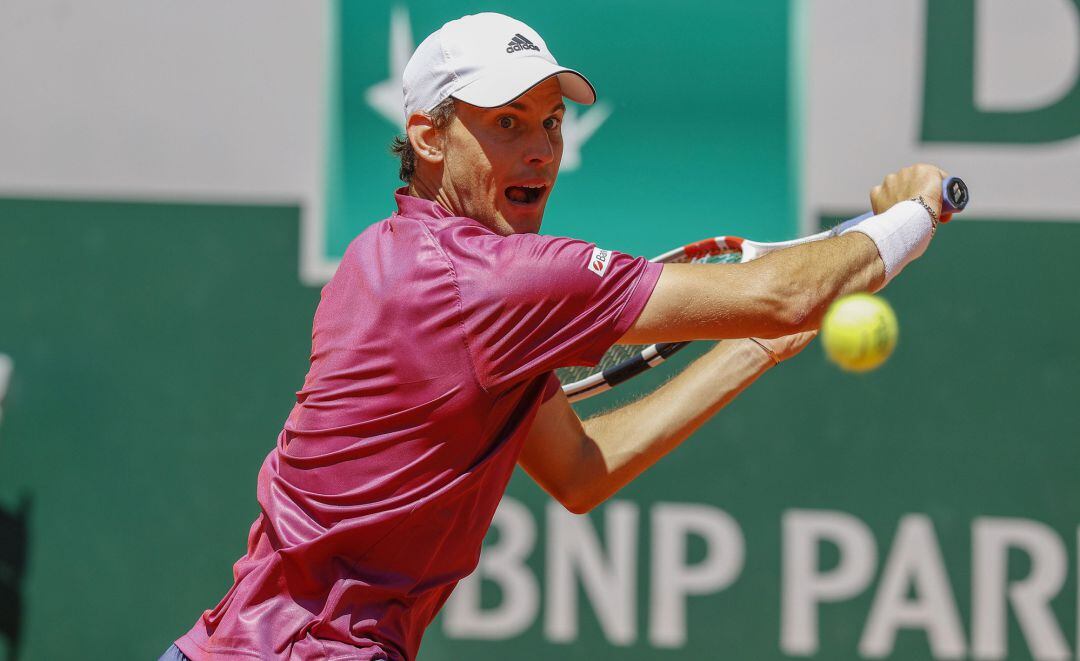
[[427, 141]]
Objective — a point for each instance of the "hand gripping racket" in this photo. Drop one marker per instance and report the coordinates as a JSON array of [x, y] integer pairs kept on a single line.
[[622, 362]]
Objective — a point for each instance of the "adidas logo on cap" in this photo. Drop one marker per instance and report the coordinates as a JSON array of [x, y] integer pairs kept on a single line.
[[520, 43]]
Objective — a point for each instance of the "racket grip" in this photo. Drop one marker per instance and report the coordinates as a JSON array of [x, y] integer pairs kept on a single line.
[[954, 197], [667, 349]]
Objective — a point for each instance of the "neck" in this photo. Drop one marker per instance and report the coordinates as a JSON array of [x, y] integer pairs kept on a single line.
[[422, 189]]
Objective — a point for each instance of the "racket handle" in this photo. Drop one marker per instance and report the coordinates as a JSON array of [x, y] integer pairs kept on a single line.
[[954, 197], [667, 349], [613, 376]]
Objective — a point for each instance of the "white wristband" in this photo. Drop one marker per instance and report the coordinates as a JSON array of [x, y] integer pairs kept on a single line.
[[901, 234]]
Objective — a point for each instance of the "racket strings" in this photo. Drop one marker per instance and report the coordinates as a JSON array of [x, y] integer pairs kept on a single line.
[[620, 353]]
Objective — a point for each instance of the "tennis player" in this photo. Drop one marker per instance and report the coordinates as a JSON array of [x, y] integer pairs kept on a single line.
[[434, 346]]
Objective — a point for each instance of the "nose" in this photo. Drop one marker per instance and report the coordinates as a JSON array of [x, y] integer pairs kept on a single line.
[[540, 150]]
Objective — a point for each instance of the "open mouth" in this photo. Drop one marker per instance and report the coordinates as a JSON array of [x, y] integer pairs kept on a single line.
[[524, 195]]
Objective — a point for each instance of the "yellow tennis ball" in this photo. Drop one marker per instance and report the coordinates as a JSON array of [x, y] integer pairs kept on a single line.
[[859, 332]]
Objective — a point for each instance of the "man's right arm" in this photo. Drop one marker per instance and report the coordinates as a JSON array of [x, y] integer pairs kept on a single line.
[[780, 294], [783, 292]]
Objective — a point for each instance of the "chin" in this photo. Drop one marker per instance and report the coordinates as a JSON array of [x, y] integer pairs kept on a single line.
[[528, 226]]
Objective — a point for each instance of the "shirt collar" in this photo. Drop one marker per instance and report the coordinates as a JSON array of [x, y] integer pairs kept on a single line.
[[416, 207]]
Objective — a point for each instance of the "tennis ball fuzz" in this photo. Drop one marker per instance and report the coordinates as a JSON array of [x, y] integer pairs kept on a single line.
[[859, 332]]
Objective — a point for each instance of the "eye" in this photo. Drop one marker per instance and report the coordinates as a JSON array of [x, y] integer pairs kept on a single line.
[[552, 123], [506, 122]]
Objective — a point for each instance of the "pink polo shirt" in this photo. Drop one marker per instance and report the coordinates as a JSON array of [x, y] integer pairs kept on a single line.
[[432, 349]]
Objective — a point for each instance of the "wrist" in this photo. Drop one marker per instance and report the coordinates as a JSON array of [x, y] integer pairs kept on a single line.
[[901, 234], [919, 199]]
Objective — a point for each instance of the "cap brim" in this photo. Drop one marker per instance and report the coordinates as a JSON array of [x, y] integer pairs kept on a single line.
[[500, 86]]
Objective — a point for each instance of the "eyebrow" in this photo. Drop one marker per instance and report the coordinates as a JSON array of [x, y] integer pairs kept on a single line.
[[520, 107]]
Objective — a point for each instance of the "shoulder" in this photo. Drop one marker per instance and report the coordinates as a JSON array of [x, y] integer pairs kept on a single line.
[[517, 252], [516, 261]]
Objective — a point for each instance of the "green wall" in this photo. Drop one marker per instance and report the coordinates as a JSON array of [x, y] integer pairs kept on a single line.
[[156, 348]]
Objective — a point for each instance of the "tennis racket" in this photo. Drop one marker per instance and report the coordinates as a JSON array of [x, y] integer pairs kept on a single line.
[[624, 361]]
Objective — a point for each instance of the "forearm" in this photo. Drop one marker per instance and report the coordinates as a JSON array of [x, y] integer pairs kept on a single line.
[[782, 293], [626, 441], [867, 255], [805, 279]]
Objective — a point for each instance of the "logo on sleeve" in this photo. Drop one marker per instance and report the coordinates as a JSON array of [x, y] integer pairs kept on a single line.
[[599, 261]]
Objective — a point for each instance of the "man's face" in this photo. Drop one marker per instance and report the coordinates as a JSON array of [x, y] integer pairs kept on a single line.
[[500, 164]]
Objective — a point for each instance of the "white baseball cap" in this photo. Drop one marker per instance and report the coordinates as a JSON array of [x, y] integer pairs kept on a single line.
[[487, 60]]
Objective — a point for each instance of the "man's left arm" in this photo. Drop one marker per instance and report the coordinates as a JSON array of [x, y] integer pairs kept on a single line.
[[581, 464]]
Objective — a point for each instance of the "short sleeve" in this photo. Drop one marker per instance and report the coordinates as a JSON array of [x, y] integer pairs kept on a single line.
[[534, 303]]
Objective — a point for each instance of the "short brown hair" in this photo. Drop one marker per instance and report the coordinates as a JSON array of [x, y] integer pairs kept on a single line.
[[401, 147]]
